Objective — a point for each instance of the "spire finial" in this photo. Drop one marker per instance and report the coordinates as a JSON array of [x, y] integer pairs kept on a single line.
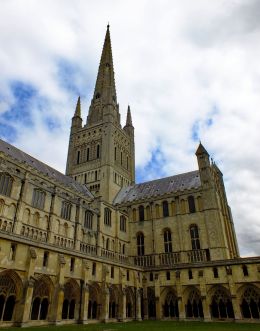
[[108, 25], [129, 117], [78, 108]]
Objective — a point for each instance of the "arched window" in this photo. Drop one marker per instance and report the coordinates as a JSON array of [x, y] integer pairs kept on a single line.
[[191, 202], [194, 307], [140, 244], [6, 182], [88, 154], [141, 213], [107, 244], [245, 270], [107, 216], [221, 304], [167, 241], [98, 151], [65, 210], [122, 223], [115, 154], [88, 222], [194, 235], [250, 305], [38, 199], [165, 209], [215, 272]]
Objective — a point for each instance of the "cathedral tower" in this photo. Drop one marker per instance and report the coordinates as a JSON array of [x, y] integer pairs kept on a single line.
[[101, 153]]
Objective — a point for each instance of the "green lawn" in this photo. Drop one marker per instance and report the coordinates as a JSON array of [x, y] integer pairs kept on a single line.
[[151, 326]]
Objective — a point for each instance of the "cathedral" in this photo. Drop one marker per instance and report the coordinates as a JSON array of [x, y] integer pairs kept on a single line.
[[92, 245]]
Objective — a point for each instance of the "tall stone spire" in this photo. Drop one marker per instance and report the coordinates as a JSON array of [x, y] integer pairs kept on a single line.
[[76, 122], [104, 101]]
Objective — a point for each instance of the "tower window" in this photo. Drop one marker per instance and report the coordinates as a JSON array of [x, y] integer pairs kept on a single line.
[[122, 223], [190, 274], [96, 175], [191, 203], [167, 241], [140, 244], [168, 275], [115, 153], [151, 276], [127, 275], [127, 165], [78, 157], [97, 95], [194, 235], [88, 154], [112, 272], [121, 158], [98, 151]]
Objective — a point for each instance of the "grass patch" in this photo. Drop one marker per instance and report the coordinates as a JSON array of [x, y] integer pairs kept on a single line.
[[151, 326]]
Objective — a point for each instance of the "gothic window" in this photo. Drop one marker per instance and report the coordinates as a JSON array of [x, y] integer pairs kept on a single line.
[[88, 222], [123, 249], [94, 266], [194, 307], [71, 299], [98, 151], [127, 165], [115, 154], [168, 275], [65, 210], [194, 235], [7, 297], [140, 244], [122, 223], [97, 95], [121, 158], [107, 244], [250, 305], [191, 203], [112, 272], [221, 304], [167, 241], [141, 213], [107, 216], [165, 209], [38, 199], [12, 252], [96, 175], [190, 275], [170, 306], [6, 182], [72, 264]]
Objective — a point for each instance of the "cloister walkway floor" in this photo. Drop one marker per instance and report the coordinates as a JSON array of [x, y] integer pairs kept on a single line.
[[152, 326]]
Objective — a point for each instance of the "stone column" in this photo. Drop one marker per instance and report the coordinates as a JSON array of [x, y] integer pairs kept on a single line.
[[27, 302], [84, 307], [105, 305], [236, 308], [138, 305], [59, 304], [206, 310], [122, 308]]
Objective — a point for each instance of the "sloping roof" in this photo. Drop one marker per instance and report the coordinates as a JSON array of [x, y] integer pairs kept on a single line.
[[159, 187], [22, 157]]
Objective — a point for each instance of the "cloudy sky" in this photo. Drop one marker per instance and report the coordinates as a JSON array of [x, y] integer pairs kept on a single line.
[[190, 71]]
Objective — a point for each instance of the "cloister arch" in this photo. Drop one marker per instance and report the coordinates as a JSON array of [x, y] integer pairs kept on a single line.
[[170, 304], [193, 305], [94, 305], [221, 303], [113, 301], [10, 294], [71, 299], [250, 302], [43, 288], [129, 302]]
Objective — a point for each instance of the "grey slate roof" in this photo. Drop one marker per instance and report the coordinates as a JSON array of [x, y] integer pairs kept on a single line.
[[22, 157], [159, 187]]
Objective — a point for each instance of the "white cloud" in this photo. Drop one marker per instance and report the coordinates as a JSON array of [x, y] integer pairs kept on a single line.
[[176, 62]]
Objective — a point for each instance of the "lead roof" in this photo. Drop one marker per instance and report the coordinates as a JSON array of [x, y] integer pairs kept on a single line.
[[159, 187], [43, 168]]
